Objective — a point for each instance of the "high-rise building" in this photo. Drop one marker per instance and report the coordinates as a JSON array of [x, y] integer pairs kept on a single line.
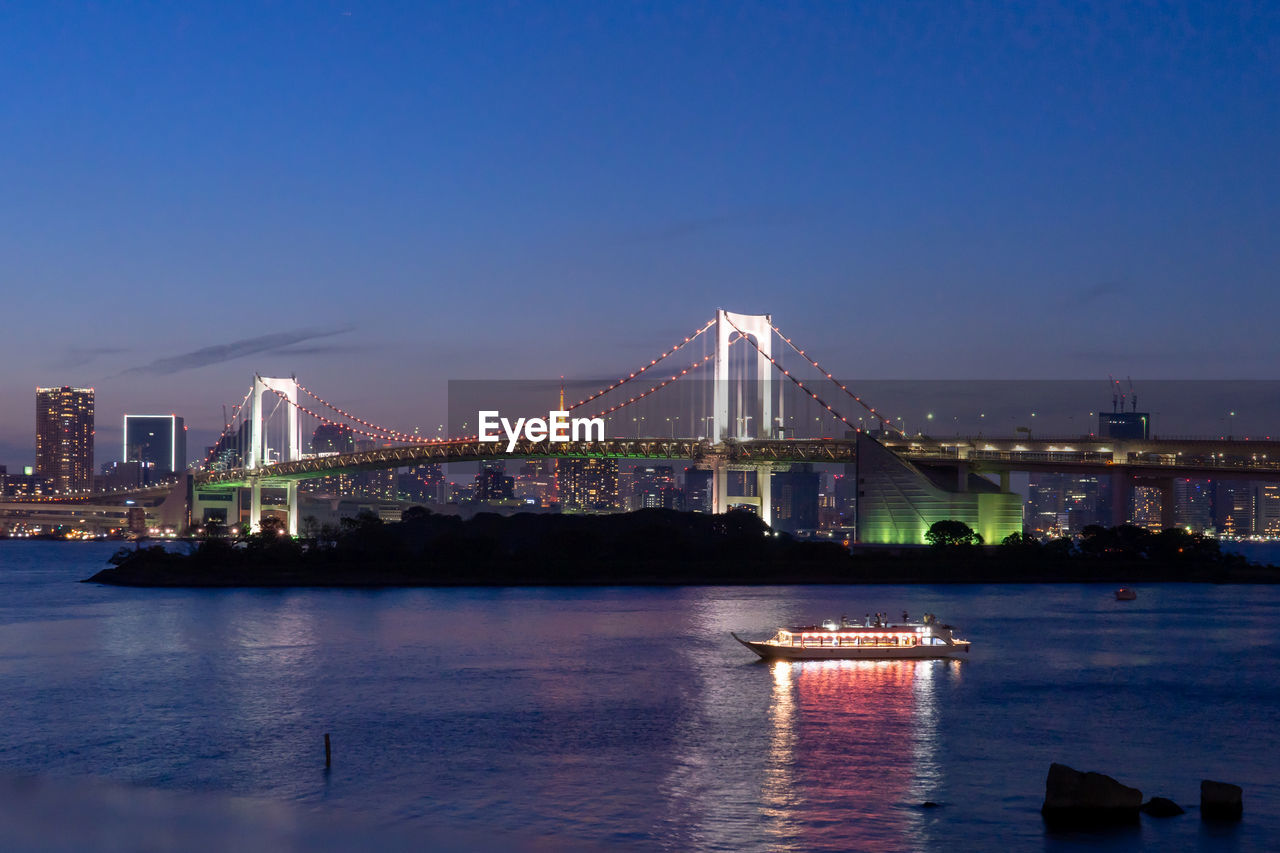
[[1266, 504], [230, 450], [654, 486], [1234, 507], [1147, 507], [589, 485], [795, 498], [379, 484], [159, 441], [333, 438], [1061, 504], [329, 440], [1043, 515], [64, 437], [492, 482], [697, 489], [1135, 425], [423, 483], [844, 488], [536, 482], [1193, 502]]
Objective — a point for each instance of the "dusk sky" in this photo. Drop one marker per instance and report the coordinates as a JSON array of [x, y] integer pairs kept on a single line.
[[383, 197]]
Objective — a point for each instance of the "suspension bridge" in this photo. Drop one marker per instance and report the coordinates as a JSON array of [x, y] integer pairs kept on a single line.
[[735, 395]]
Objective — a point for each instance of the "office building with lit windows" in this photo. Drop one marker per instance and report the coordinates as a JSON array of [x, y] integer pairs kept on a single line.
[[589, 485], [64, 438]]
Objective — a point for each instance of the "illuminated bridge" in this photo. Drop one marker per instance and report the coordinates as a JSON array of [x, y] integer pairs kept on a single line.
[[769, 404]]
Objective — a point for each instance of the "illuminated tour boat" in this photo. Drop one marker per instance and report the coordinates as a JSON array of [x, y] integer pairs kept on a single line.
[[872, 640]]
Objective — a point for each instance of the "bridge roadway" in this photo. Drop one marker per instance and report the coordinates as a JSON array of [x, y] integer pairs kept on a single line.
[[471, 450], [1239, 458], [1244, 459], [1193, 457]]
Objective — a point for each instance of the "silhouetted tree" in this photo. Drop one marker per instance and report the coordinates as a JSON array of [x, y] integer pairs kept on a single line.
[[949, 532], [415, 514], [1018, 539]]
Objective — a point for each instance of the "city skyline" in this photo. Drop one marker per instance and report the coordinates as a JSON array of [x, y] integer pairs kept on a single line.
[[1026, 193]]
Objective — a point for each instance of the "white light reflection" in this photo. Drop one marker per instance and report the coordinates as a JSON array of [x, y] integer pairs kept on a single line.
[[778, 788], [927, 774], [853, 752]]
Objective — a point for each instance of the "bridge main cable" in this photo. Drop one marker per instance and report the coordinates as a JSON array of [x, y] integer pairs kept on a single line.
[[226, 429], [389, 433], [664, 383], [794, 380], [888, 424], [384, 435], [624, 380]]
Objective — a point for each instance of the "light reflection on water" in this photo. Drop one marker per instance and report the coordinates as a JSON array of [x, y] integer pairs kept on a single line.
[[852, 751]]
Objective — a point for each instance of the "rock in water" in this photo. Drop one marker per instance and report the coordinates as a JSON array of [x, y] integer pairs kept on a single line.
[[1162, 807], [1080, 800], [1220, 801]]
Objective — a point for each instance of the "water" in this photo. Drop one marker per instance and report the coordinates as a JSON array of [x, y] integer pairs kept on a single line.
[[1256, 552], [628, 718]]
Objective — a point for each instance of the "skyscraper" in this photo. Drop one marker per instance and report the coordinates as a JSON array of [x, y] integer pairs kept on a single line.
[[328, 440], [697, 489], [156, 440], [64, 437], [589, 485], [653, 486], [795, 498], [492, 482]]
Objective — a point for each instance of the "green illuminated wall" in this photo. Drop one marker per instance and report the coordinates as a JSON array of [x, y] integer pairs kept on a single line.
[[897, 503]]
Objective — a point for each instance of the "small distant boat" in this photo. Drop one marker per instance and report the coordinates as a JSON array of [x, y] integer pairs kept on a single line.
[[845, 641], [1125, 594]]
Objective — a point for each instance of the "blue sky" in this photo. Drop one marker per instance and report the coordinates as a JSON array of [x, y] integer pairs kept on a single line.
[[382, 197]]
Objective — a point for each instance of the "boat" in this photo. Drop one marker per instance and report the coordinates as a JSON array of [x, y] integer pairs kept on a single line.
[[1125, 594], [846, 641]]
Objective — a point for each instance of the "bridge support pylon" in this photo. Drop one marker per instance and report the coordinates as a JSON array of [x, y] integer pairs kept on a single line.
[[762, 500], [259, 452], [760, 327]]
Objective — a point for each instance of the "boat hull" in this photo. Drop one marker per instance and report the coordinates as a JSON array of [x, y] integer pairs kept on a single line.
[[771, 652]]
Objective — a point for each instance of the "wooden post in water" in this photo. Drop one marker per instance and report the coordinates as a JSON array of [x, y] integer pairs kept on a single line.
[[327, 754]]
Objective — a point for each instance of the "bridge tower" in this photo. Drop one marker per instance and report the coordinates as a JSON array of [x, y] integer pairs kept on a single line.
[[259, 449], [760, 328]]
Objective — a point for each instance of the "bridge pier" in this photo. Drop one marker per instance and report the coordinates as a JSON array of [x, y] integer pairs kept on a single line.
[[255, 505], [1121, 497], [291, 504], [292, 497], [763, 498]]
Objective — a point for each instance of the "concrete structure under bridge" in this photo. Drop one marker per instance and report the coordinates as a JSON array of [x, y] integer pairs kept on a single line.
[[162, 507]]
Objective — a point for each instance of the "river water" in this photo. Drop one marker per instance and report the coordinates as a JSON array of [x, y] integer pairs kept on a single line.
[[628, 718]]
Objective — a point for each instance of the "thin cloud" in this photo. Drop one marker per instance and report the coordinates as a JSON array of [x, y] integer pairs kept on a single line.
[[207, 356], [324, 349], [80, 356], [1093, 293]]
